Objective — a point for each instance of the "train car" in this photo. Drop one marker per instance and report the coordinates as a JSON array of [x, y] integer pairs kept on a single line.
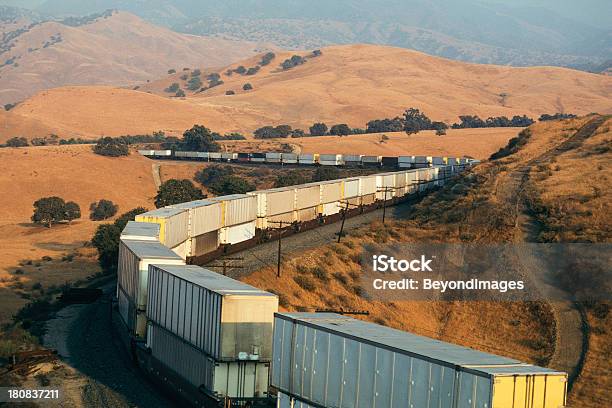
[[385, 186], [258, 157], [239, 218], [328, 360], [367, 190], [228, 157], [351, 198], [438, 161], [147, 153], [142, 231], [371, 161], [174, 226], [353, 160], [275, 206], [243, 157], [289, 158], [214, 156], [273, 157], [212, 331], [390, 161], [307, 201], [308, 159], [331, 197], [162, 154], [405, 162], [204, 226], [132, 277], [330, 160]]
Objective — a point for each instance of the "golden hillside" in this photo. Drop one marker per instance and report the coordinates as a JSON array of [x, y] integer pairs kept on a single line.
[[117, 50], [351, 84]]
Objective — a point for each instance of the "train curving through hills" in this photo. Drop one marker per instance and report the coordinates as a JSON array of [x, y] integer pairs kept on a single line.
[[217, 342]]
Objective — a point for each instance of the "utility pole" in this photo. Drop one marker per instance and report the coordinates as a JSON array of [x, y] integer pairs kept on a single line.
[[343, 219], [280, 234], [226, 266]]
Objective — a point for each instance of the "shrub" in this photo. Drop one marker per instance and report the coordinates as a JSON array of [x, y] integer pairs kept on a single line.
[[385, 125], [340, 130], [305, 283], [240, 70], [340, 277], [326, 173], [231, 185], [180, 93], [283, 300], [317, 53], [200, 139], [171, 71], [102, 210], [291, 178], [247, 87], [197, 72], [17, 142], [267, 58], [230, 92], [184, 77], [318, 129], [210, 174], [253, 70], [173, 88], [440, 132], [194, 83], [175, 192], [320, 273], [108, 146]]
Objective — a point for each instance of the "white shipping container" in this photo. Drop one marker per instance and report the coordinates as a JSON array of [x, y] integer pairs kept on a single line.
[[143, 231], [307, 159], [385, 185], [236, 234], [229, 156], [146, 152], [351, 187], [237, 208], [204, 216], [274, 201], [367, 185], [204, 244], [214, 155], [273, 157], [330, 159], [226, 319], [307, 214], [371, 159], [290, 158], [307, 195], [331, 191], [162, 153], [221, 379], [174, 224], [330, 208]]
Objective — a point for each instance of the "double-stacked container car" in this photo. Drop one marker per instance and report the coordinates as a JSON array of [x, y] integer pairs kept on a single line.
[[212, 333], [328, 360]]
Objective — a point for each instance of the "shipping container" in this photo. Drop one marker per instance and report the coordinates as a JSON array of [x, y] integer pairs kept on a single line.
[[308, 158], [437, 161], [234, 379], [244, 157], [236, 234], [390, 161], [420, 162], [143, 231], [330, 160], [335, 361], [258, 157], [204, 216], [451, 161], [331, 208], [204, 244], [237, 209], [229, 156], [273, 157], [289, 158], [405, 159], [352, 159], [162, 153], [185, 154], [371, 160], [127, 310], [214, 156], [146, 152], [183, 249], [351, 187], [307, 195], [367, 185], [285, 401], [385, 186], [228, 320], [173, 222], [331, 191], [132, 272], [307, 214], [275, 205]]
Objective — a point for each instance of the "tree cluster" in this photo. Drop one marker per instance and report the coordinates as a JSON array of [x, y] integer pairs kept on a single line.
[[473, 121], [198, 139], [545, 117], [267, 58], [273, 132], [53, 210], [102, 210], [290, 178], [108, 146], [292, 62], [176, 191]]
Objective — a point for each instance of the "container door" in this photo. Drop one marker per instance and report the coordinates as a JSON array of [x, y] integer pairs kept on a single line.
[[335, 375], [320, 370], [384, 378], [401, 381], [350, 372], [419, 396], [367, 377]]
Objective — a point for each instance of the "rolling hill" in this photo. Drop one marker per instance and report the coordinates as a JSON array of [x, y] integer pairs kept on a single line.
[[112, 48], [346, 84]]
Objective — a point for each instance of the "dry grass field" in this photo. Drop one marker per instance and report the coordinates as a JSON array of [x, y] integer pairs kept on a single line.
[[346, 84], [73, 173]]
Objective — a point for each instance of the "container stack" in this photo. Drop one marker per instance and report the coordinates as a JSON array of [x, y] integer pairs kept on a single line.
[[211, 330], [204, 226], [328, 360], [174, 227], [274, 206], [307, 201], [238, 218]]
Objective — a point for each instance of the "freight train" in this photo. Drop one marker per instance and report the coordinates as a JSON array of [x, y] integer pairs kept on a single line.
[[311, 159], [217, 342]]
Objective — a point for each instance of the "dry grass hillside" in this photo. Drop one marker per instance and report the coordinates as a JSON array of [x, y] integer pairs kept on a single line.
[[346, 84], [73, 173], [543, 191], [120, 49]]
